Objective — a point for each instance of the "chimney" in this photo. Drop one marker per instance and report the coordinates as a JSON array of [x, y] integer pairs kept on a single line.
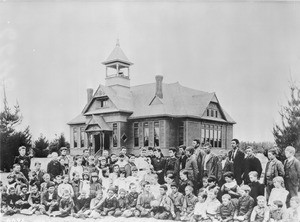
[[159, 80], [89, 94]]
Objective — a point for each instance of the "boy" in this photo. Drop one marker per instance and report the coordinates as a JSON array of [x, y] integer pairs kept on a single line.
[[143, 202], [22, 203], [50, 198], [257, 189], [245, 204], [19, 174], [292, 214], [82, 204], [260, 212], [95, 206], [189, 202], [11, 178], [132, 197], [226, 210], [134, 178], [276, 213], [177, 199], [66, 205], [184, 181], [11, 200], [212, 203], [122, 203], [57, 181], [40, 173], [75, 183], [35, 201], [200, 207], [46, 178], [65, 186], [110, 203], [165, 203]]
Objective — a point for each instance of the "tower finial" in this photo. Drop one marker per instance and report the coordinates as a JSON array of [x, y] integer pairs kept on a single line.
[[118, 42]]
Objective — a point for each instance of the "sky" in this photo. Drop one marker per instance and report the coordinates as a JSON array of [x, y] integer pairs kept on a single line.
[[245, 52]]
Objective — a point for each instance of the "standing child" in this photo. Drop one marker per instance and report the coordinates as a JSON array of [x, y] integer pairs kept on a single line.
[[122, 203], [245, 205], [278, 192], [189, 202], [261, 212], [132, 197], [177, 199], [226, 210], [95, 185], [200, 207], [257, 189]]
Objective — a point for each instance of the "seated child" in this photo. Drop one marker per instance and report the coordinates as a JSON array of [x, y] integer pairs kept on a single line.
[[3, 196], [95, 184], [95, 206], [189, 202], [230, 186], [50, 198], [292, 214], [177, 199], [165, 205], [11, 200], [184, 181], [169, 178], [22, 203], [35, 201], [212, 203], [57, 180], [11, 178], [66, 205], [200, 207], [65, 186], [85, 184], [82, 204], [120, 182], [261, 212], [226, 210], [131, 197], [75, 183], [46, 178], [155, 186], [110, 203], [33, 179], [134, 178], [122, 203], [143, 206], [257, 189], [245, 204], [276, 213]]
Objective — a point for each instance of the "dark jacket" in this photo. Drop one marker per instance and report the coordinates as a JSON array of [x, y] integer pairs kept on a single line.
[[228, 167], [238, 164], [211, 166], [54, 168], [251, 164], [292, 172], [277, 169]]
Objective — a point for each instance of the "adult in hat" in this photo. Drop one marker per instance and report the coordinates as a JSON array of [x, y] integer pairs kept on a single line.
[[64, 159]]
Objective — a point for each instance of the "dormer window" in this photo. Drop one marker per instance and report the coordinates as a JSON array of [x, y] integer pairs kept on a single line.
[[103, 103]]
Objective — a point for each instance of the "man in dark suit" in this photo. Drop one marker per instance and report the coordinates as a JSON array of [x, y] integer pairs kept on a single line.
[[54, 167], [199, 154], [23, 161], [237, 157], [292, 173], [223, 166]]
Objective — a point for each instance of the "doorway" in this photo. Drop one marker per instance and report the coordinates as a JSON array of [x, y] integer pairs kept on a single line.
[[107, 140], [97, 142]]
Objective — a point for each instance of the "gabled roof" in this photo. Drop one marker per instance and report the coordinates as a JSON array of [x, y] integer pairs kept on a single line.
[[80, 119], [117, 55], [99, 122]]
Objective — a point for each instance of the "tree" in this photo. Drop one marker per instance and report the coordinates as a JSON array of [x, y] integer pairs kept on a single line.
[[288, 132], [11, 139], [41, 146], [57, 143]]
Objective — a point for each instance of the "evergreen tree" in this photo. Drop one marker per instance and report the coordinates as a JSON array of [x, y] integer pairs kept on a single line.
[[57, 143], [288, 132], [41, 146]]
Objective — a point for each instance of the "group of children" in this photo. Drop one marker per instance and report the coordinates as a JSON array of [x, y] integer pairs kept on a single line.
[[90, 193]]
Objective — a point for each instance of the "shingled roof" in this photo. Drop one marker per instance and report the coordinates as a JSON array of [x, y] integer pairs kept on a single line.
[[177, 101], [117, 55]]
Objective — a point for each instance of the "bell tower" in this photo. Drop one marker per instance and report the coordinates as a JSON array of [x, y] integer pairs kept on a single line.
[[118, 69]]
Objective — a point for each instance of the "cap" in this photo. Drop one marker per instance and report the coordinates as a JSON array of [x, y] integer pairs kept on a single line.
[[174, 185], [11, 176], [63, 148], [50, 184]]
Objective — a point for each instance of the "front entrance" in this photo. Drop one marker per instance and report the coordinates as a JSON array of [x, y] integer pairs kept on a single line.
[[102, 141]]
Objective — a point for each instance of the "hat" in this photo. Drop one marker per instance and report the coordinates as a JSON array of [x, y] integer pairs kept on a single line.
[[94, 174], [122, 190], [174, 185], [245, 188], [63, 148], [50, 184]]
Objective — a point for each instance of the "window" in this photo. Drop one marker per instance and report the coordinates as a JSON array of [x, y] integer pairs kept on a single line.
[[181, 133], [207, 112], [211, 136], [81, 137], [215, 137], [220, 136], [212, 112], [136, 134], [103, 103], [75, 137], [207, 134], [216, 113], [156, 134], [115, 135], [202, 136], [146, 134]]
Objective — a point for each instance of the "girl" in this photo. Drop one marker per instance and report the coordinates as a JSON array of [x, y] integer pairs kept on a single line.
[[95, 185], [120, 182], [77, 167], [106, 181], [115, 174], [278, 192], [230, 186], [85, 184]]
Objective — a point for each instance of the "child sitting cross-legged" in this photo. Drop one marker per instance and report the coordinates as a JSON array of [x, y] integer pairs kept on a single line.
[[261, 212], [212, 204], [276, 211], [122, 203], [110, 203], [82, 204], [131, 197], [177, 199], [11, 200], [66, 205], [292, 214], [245, 204], [200, 207], [50, 198], [95, 206], [226, 210], [189, 202], [165, 205], [35, 201]]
